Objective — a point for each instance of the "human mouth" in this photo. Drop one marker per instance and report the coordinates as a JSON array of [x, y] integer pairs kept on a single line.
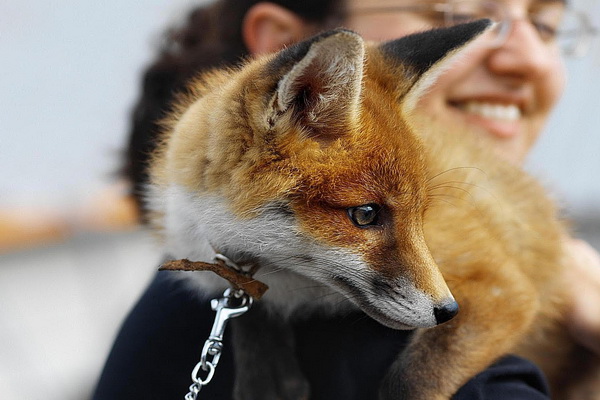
[[500, 119], [500, 112]]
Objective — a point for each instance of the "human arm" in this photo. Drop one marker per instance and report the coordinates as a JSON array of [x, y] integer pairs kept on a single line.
[[582, 275], [510, 378]]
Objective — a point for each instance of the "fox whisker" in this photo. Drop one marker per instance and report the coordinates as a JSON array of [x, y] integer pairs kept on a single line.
[[455, 169]]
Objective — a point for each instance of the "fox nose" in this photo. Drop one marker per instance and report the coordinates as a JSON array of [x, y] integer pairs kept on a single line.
[[445, 312]]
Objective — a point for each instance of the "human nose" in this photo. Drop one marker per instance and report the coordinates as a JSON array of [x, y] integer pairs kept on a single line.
[[523, 54]]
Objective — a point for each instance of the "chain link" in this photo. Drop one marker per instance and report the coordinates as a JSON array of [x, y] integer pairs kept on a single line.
[[199, 382], [232, 304], [213, 349]]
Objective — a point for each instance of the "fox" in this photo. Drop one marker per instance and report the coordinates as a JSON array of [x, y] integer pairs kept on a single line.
[[309, 164]]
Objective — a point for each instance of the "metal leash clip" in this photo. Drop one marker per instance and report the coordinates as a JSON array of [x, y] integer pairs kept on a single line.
[[233, 304]]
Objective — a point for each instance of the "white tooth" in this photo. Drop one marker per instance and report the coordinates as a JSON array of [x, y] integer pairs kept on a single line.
[[501, 112], [498, 112], [493, 111], [514, 113], [488, 110]]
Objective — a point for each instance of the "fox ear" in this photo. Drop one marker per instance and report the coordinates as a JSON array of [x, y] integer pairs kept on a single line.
[[322, 82], [423, 57]]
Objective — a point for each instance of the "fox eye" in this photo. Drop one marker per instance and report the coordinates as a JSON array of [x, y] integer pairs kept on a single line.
[[364, 216]]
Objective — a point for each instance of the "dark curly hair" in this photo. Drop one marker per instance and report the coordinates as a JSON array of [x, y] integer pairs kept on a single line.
[[210, 37]]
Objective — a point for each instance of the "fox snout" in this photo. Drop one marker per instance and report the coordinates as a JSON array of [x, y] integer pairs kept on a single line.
[[398, 303]]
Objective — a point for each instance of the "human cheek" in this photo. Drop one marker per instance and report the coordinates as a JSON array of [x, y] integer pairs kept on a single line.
[[436, 102], [549, 87], [552, 84], [383, 27]]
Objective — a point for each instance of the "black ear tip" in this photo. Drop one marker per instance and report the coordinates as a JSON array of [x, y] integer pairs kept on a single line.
[[339, 30], [346, 35], [422, 50], [486, 22], [460, 33], [474, 27], [293, 54]]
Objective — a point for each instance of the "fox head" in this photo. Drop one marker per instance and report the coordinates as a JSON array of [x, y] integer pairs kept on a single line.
[[305, 161]]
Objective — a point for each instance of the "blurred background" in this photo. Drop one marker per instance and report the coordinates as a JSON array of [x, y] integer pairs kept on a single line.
[[72, 258]]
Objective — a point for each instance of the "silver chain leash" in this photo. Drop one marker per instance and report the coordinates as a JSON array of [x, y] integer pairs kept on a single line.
[[233, 304]]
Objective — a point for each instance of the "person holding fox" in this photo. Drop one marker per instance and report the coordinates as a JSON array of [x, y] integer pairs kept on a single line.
[[501, 94]]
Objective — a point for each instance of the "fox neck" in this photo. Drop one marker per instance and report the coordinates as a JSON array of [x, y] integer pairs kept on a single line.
[[205, 227]]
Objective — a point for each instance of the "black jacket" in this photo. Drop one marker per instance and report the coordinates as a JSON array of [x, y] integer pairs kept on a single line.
[[161, 340]]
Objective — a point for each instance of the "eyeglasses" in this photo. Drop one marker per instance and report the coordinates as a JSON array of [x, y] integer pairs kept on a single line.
[[570, 29]]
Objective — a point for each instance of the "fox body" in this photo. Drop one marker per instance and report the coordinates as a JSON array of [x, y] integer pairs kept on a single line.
[[307, 163]]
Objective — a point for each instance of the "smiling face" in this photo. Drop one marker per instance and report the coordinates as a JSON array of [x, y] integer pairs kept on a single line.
[[502, 94]]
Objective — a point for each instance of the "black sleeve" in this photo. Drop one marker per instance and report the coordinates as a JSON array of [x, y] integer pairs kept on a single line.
[[345, 358], [161, 340], [511, 378]]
